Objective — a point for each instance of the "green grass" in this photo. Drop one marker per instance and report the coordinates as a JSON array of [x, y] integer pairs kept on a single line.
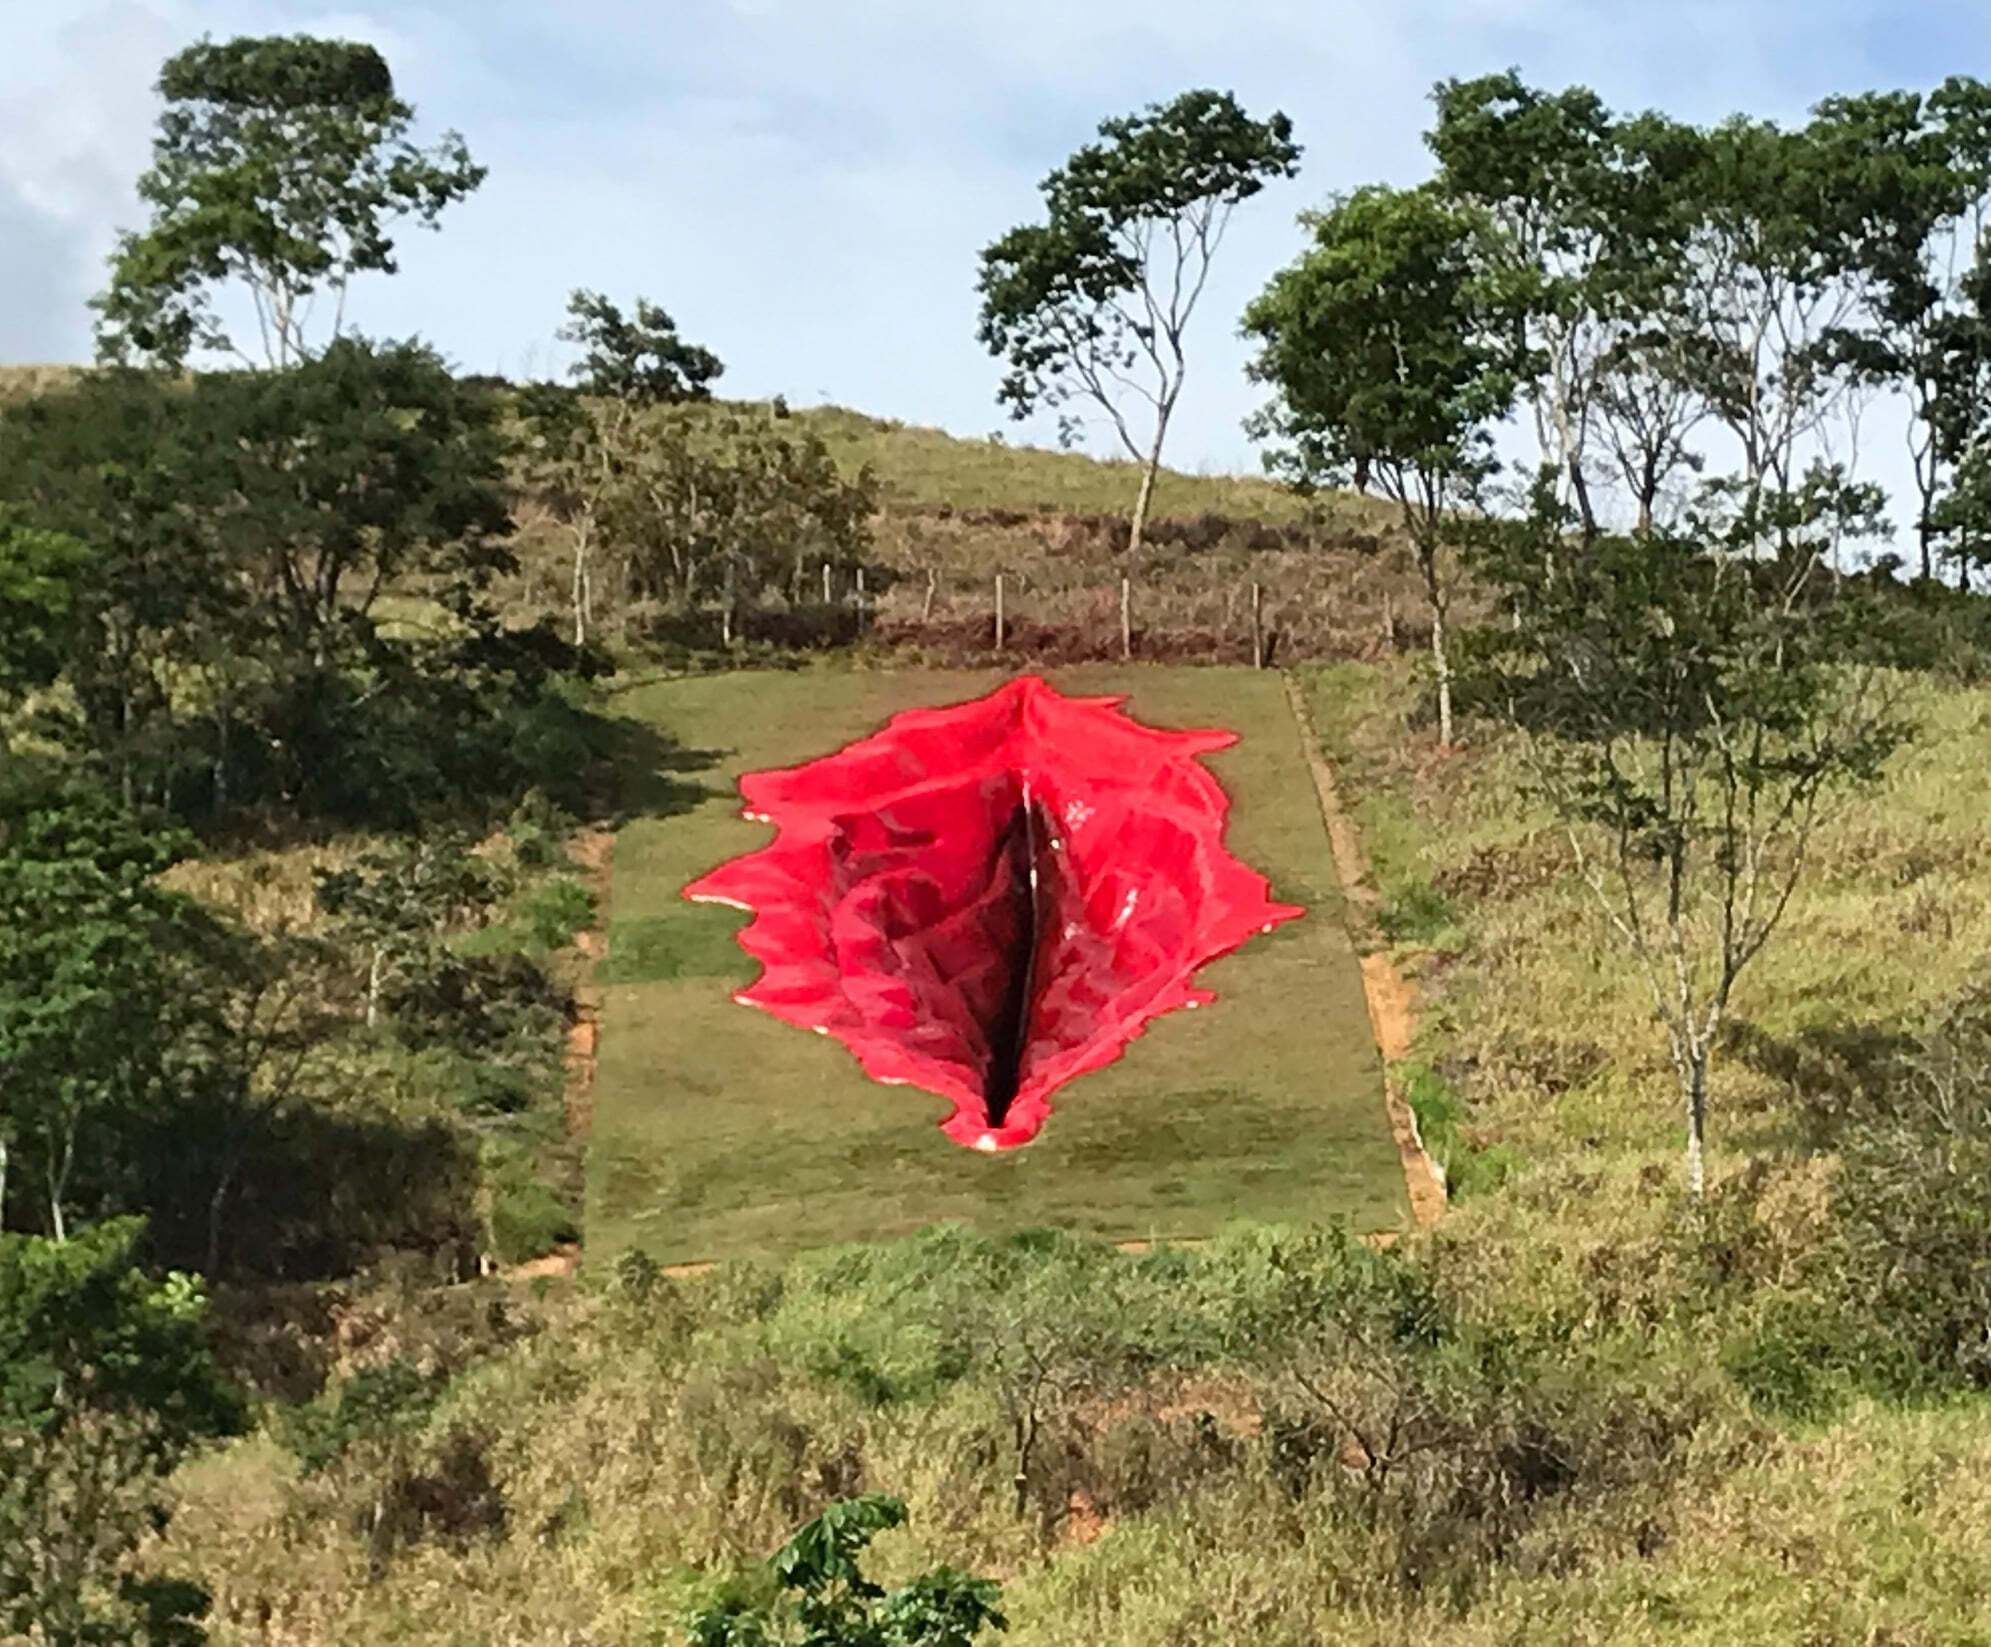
[[929, 468], [719, 1131]]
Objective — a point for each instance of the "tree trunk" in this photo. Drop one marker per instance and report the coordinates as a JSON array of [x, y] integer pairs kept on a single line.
[[3, 1185], [373, 989], [1137, 529], [1434, 593], [1697, 1122], [1444, 665], [579, 598], [215, 1202]]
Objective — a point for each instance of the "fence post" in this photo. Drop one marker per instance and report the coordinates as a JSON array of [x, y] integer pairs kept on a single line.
[[926, 606], [999, 612], [1257, 628], [826, 583], [1126, 618], [858, 597]]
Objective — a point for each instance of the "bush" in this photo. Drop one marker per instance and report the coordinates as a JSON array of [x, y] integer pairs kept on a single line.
[[550, 914], [1893, 1298], [820, 1598], [1418, 913], [528, 1217]]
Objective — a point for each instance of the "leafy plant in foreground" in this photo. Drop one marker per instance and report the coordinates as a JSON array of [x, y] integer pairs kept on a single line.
[[824, 1600]]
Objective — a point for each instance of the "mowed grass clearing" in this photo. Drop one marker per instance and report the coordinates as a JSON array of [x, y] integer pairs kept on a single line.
[[721, 1132]]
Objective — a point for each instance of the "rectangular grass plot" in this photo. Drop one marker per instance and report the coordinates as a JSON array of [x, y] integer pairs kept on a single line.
[[719, 1131]]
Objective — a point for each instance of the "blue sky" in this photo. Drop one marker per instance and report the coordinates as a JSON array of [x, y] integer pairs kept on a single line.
[[805, 184]]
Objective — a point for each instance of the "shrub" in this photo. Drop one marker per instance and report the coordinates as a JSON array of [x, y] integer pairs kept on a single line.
[[820, 1598]]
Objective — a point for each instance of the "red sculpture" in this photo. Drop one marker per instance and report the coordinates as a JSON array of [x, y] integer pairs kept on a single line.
[[989, 899]]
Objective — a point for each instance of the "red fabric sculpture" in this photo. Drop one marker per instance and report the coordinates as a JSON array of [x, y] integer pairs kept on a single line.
[[989, 899]]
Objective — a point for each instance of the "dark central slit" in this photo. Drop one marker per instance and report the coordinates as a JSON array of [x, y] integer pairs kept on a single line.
[[1009, 1033]]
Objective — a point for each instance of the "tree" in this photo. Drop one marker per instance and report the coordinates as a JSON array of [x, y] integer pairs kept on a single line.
[[1538, 171], [241, 529], [636, 362], [1686, 713], [1385, 351], [100, 978], [106, 1382], [1096, 300], [826, 1601], [348, 472], [41, 579], [725, 507], [1917, 173], [117, 463], [280, 166], [580, 447], [400, 899]]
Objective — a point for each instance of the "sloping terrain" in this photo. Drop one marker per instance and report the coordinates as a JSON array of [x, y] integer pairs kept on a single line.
[[719, 1131]]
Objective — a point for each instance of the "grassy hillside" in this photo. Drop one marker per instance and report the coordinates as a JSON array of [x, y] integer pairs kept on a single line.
[[1616, 1420], [928, 469], [720, 1132], [1334, 578], [1579, 1410]]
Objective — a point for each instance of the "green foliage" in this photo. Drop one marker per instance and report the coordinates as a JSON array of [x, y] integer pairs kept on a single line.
[[1685, 713], [555, 910], [280, 165], [1073, 305], [538, 830], [1380, 344], [1384, 345], [1418, 913], [528, 1217], [41, 574], [105, 1384], [225, 649], [674, 506], [828, 1602], [399, 901], [1470, 1169], [377, 1406], [102, 974], [639, 360], [362, 465]]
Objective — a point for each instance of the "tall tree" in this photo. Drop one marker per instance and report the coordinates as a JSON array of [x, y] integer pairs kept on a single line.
[[1095, 301], [1538, 169], [280, 167], [1915, 173], [579, 447], [1385, 349]]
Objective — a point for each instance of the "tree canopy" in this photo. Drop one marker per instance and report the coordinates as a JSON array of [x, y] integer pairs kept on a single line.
[[1095, 301], [280, 168]]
